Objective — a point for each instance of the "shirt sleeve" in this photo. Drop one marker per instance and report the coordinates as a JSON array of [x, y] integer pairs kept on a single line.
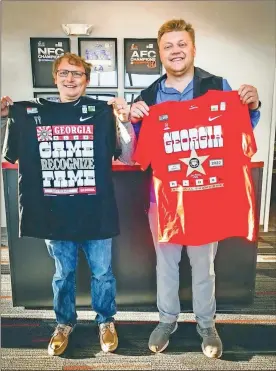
[[4, 121], [115, 138], [11, 141], [144, 148], [137, 125], [225, 85], [248, 139], [128, 143], [254, 115], [137, 128]]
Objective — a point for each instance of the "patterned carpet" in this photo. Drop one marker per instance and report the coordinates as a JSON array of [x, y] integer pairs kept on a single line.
[[267, 243], [248, 333], [267, 240], [247, 346]]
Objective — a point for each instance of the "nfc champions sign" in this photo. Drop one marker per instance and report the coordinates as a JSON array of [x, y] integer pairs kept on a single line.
[[44, 51], [142, 57]]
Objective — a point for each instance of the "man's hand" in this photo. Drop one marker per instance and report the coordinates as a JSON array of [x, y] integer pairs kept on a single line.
[[138, 111], [121, 109], [5, 103], [249, 95]]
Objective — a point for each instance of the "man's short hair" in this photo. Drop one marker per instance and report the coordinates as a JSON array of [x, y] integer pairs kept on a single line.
[[75, 60], [176, 25]]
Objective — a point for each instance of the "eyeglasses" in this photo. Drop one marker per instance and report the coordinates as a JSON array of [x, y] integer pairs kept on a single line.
[[65, 73]]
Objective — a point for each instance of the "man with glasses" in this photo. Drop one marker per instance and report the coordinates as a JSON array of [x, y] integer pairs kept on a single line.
[[71, 75]]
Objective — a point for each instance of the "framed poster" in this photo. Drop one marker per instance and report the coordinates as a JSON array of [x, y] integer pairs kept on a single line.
[[102, 54], [142, 62], [44, 51], [130, 96], [102, 95], [52, 96]]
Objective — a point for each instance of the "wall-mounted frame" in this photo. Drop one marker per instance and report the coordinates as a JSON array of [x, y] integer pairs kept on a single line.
[[102, 95], [52, 96], [102, 54], [44, 51], [130, 96], [141, 62]]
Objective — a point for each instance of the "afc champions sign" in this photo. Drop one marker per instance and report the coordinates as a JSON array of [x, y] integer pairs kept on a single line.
[[142, 56]]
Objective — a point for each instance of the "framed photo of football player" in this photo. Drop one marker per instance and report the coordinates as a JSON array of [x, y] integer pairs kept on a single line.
[[52, 96], [44, 51], [102, 54], [130, 96], [142, 62]]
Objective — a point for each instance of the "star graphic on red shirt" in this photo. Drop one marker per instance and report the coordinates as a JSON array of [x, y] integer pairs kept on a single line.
[[194, 163]]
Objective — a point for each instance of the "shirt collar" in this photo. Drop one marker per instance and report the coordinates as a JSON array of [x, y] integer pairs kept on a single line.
[[166, 90]]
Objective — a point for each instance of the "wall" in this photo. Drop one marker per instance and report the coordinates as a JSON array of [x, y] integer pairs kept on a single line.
[[234, 39]]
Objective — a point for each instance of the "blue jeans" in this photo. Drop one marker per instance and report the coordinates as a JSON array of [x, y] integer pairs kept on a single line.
[[103, 283]]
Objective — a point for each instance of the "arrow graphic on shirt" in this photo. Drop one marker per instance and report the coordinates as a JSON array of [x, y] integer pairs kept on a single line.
[[194, 163]]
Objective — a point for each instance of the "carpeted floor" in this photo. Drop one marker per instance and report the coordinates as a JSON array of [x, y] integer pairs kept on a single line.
[[267, 240], [248, 333], [267, 243], [247, 346]]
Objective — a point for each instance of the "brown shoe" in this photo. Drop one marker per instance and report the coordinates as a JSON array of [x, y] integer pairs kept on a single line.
[[108, 337], [59, 340]]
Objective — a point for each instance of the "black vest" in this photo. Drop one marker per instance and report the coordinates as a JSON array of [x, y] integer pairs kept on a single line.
[[203, 81]]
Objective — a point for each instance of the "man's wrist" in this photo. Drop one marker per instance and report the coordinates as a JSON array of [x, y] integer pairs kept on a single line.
[[257, 108], [129, 120], [124, 122], [4, 119], [134, 120]]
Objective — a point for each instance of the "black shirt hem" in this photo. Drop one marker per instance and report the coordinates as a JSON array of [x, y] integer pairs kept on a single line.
[[70, 238]]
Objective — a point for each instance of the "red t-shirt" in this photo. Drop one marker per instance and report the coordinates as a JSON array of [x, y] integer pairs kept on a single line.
[[200, 153]]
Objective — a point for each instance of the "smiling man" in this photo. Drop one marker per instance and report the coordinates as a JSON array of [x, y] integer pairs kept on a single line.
[[65, 153], [71, 77], [183, 81]]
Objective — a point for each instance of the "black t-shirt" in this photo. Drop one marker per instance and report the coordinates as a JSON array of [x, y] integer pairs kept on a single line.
[[65, 155]]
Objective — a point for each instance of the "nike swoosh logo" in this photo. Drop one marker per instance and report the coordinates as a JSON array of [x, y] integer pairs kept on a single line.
[[213, 118], [85, 118]]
